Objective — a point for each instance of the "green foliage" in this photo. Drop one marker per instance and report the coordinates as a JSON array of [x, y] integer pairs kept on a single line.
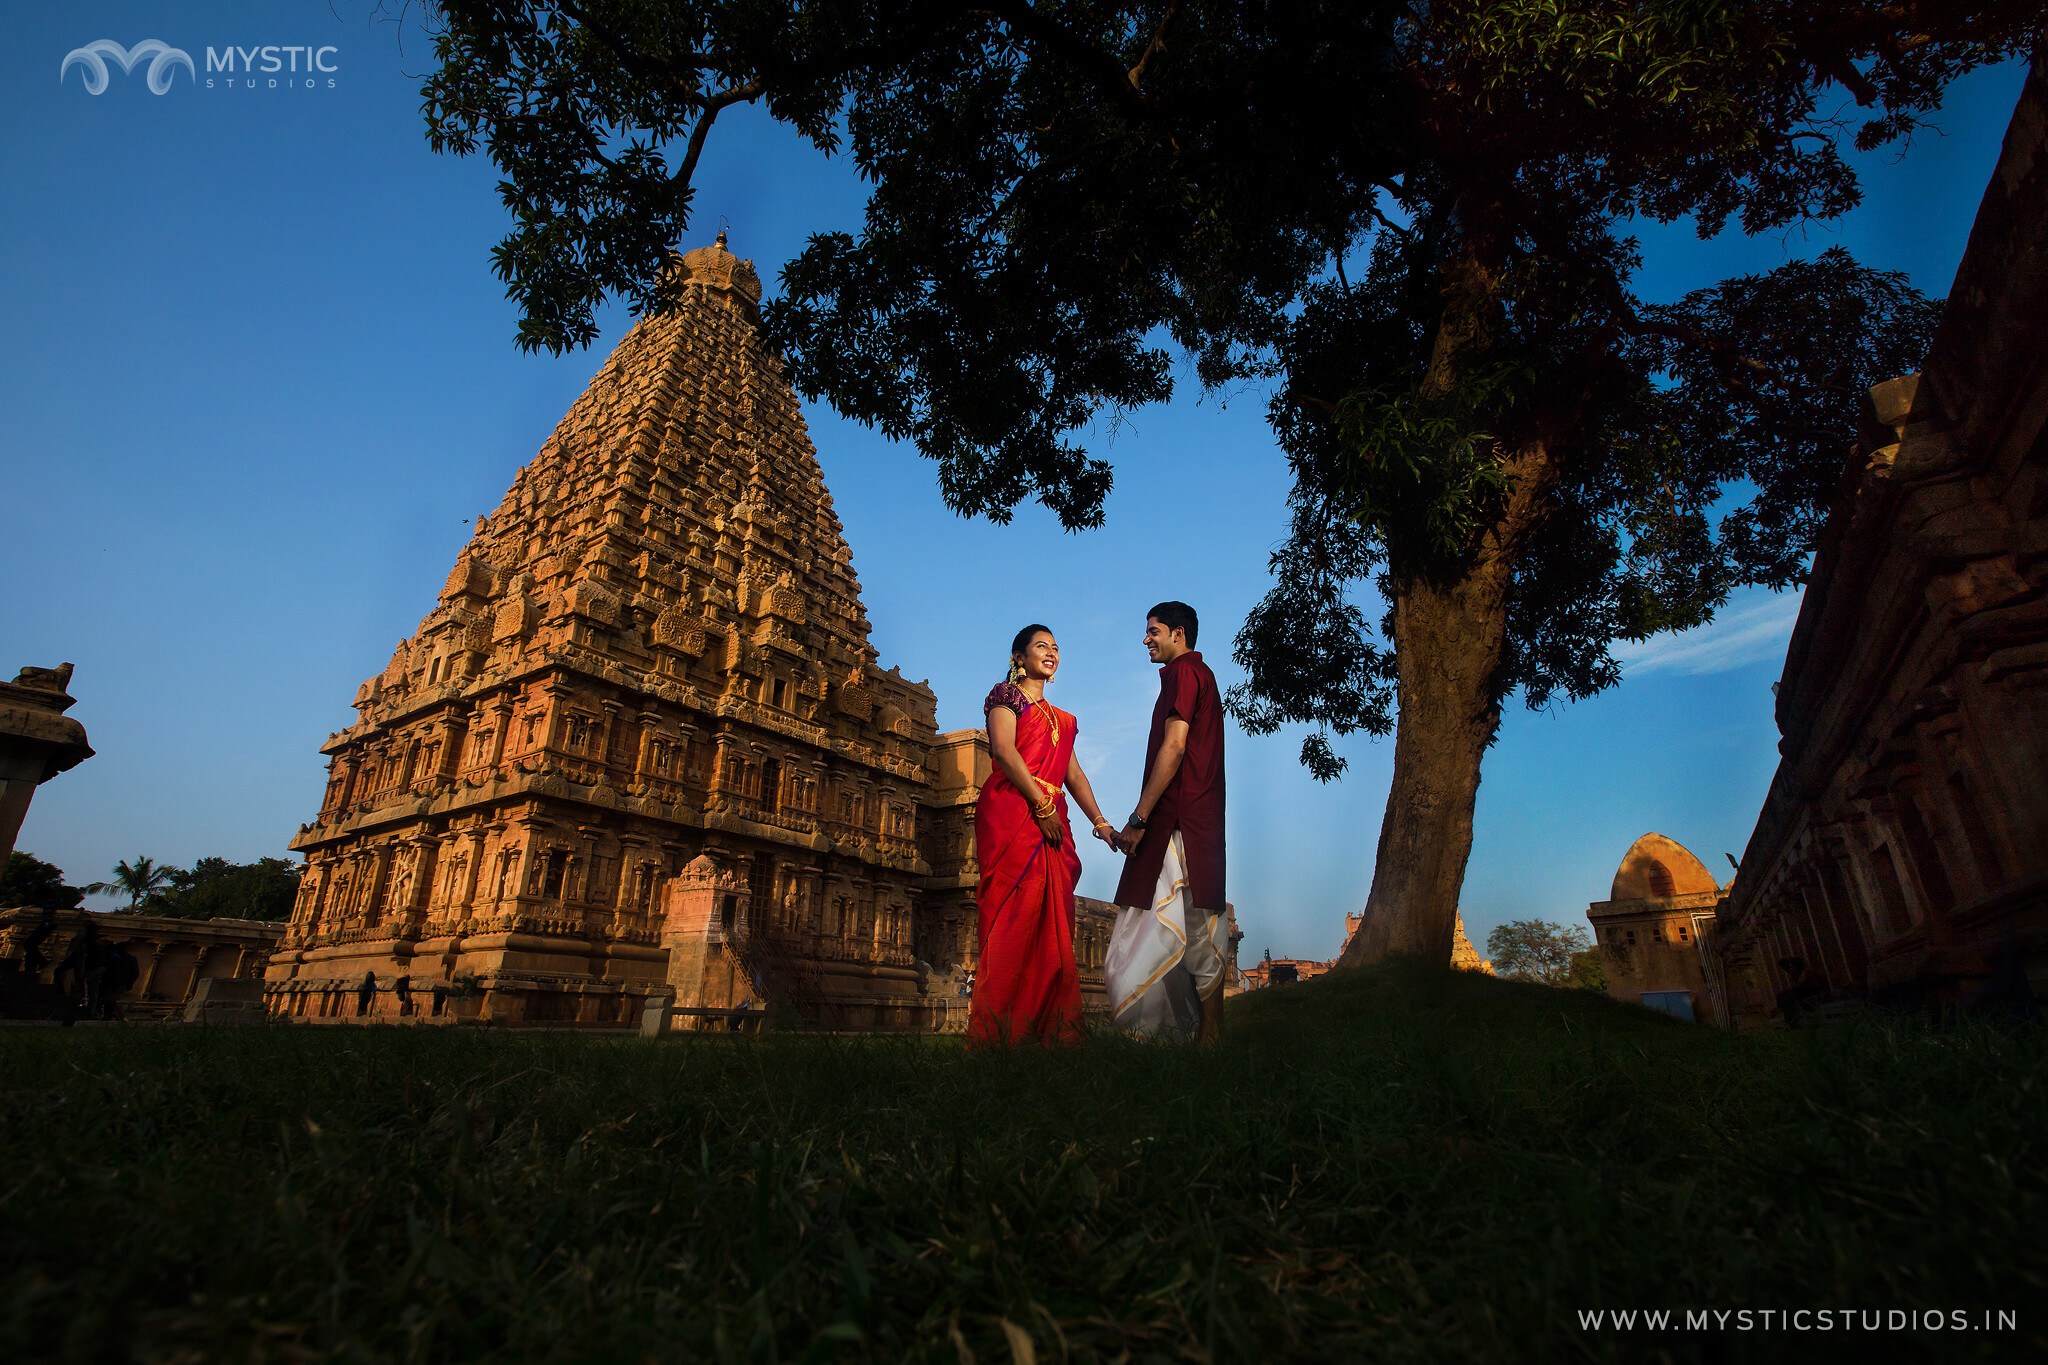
[[1588, 971], [217, 889], [1386, 1164], [138, 881], [213, 888], [28, 880], [1537, 950], [1049, 203]]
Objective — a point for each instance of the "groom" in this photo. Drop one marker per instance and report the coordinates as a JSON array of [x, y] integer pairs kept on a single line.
[[1183, 793]]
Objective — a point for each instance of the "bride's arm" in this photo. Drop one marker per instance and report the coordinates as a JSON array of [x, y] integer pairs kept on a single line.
[[1084, 795], [1002, 751]]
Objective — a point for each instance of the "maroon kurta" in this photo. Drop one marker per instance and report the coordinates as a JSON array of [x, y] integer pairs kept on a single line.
[[1193, 801]]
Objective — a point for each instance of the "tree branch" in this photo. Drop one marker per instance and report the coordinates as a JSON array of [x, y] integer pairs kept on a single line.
[[1101, 67], [1136, 75], [643, 63], [738, 94]]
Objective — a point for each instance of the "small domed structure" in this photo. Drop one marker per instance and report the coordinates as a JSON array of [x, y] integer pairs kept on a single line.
[[1655, 867], [716, 268], [1651, 929]]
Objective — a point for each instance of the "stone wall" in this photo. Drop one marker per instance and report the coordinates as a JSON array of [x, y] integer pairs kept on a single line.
[[173, 955], [1902, 852]]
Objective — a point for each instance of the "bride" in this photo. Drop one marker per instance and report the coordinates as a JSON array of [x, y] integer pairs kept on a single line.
[[1027, 988]]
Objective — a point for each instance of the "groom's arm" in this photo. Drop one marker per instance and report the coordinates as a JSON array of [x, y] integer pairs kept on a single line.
[[1173, 746]]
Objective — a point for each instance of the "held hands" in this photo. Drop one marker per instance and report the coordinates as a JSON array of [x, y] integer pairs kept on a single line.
[[1123, 841]]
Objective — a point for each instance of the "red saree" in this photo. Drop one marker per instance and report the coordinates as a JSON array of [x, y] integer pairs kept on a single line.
[[1026, 988]]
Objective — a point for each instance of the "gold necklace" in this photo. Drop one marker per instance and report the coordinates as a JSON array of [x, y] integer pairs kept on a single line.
[[1052, 718]]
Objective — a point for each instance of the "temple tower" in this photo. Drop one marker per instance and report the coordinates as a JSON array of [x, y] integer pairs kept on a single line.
[[642, 744]]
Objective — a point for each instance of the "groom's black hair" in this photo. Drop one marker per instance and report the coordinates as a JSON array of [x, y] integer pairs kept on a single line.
[[1176, 616]]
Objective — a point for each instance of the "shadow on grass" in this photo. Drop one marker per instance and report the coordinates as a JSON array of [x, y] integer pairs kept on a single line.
[[1388, 1163]]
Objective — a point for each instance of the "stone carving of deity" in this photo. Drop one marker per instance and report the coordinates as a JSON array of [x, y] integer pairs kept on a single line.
[[406, 864]]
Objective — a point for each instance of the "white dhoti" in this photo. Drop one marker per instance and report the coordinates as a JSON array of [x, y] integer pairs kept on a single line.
[[1165, 959]]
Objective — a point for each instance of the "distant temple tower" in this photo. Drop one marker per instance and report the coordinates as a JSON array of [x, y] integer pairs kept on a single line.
[[642, 747]]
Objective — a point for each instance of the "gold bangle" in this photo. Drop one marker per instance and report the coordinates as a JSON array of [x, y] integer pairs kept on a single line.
[[1104, 824], [1049, 808]]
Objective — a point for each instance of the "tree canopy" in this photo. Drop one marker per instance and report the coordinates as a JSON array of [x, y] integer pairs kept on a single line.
[[28, 880], [212, 888], [215, 888], [1487, 426], [1537, 950]]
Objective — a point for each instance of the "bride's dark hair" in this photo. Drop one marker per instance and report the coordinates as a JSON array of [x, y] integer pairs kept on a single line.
[[1023, 640]]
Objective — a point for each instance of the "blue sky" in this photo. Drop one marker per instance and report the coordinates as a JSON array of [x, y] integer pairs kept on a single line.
[[258, 382]]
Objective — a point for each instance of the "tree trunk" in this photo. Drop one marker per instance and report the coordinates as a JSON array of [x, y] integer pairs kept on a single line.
[[1448, 639]]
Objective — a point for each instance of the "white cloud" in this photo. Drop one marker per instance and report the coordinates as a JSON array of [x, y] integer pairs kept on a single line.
[[1752, 628]]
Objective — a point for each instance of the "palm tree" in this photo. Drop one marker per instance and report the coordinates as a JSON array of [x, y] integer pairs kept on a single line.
[[139, 879]]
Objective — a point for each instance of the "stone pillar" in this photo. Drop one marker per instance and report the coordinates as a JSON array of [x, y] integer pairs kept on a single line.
[[690, 755], [37, 742], [378, 881], [633, 851], [717, 785], [501, 727], [454, 727], [351, 761], [642, 760], [148, 975], [464, 896], [613, 723]]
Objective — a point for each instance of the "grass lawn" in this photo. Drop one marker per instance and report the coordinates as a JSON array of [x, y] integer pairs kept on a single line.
[[1388, 1164]]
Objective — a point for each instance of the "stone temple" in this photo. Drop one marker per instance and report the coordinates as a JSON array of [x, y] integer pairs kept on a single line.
[[642, 748]]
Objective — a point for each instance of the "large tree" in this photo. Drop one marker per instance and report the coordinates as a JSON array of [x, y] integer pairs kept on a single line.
[[1537, 950], [1486, 425], [28, 880], [215, 888]]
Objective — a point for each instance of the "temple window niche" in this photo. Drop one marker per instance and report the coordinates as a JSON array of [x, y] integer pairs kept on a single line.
[[1890, 895], [1976, 833], [1926, 858]]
